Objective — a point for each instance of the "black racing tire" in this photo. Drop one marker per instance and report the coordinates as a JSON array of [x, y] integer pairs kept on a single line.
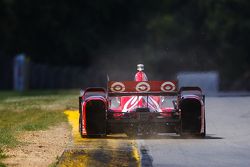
[[190, 124], [194, 135]]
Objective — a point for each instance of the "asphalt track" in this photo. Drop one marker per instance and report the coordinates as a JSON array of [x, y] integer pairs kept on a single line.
[[227, 143]]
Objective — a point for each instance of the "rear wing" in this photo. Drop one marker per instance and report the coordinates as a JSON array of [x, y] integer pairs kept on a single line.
[[143, 88]]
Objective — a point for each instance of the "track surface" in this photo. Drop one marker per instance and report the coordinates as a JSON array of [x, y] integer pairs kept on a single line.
[[227, 143]]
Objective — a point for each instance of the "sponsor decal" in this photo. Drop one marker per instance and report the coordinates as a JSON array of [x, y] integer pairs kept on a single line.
[[141, 101], [131, 103], [142, 87], [168, 86], [117, 87], [153, 104]]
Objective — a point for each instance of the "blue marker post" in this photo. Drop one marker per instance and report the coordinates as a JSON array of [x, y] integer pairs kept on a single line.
[[21, 75]]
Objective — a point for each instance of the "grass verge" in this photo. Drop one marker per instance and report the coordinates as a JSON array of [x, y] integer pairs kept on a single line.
[[31, 111]]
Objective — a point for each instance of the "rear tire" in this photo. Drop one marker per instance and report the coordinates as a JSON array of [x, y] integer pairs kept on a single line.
[[95, 113], [191, 118]]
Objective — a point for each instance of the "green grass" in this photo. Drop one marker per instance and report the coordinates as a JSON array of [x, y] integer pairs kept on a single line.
[[2, 165], [30, 111]]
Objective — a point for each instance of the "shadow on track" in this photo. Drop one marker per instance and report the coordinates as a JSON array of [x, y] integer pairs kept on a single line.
[[161, 136], [167, 136]]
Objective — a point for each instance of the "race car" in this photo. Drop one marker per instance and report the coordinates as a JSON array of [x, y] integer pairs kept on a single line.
[[142, 108]]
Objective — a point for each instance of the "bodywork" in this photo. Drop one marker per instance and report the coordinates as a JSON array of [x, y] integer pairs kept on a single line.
[[142, 108]]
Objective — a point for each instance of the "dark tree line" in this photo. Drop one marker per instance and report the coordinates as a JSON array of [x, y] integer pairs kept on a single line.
[[166, 35]]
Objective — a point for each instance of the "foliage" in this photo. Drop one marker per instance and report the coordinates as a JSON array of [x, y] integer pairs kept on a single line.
[[190, 34]]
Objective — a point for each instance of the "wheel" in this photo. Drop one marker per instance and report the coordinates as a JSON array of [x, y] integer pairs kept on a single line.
[[191, 123], [199, 135], [95, 117]]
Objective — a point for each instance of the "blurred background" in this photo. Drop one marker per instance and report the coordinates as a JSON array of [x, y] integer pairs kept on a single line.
[[63, 44]]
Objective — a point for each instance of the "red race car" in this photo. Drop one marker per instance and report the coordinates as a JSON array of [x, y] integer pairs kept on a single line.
[[142, 107]]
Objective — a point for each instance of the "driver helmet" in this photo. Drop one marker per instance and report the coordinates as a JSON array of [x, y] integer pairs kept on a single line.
[[140, 75], [140, 67]]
